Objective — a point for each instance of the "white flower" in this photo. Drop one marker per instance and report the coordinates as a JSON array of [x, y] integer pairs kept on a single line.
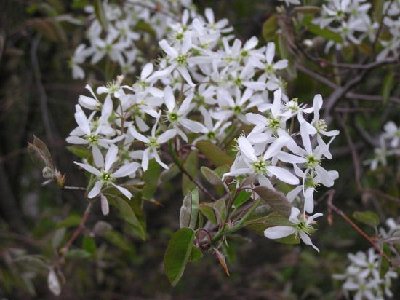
[[261, 165], [104, 174], [301, 226], [153, 143]]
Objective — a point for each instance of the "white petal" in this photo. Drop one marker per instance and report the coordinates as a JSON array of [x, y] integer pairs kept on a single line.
[[283, 175], [166, 136], [306, 239], [169, 98], [124, 191], [82, 120], [111, 157], [147, 69], [96, 189], [247, 149], [277, 232], [88, 168], [104, 205], [193, 126], [126, 170]]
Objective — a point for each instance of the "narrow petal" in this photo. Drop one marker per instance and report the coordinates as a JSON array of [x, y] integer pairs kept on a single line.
[[126, 170], [283, 175], [124, 191], [88, 168], [96, 189], [277, 232], [111, 157], [104, 205]]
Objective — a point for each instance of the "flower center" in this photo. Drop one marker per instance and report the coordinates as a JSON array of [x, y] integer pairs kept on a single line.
[[92, 138], [312, 161], [181, 59], [105, 176], [260, 166], [211, 135], [173, 117], [153, 143]]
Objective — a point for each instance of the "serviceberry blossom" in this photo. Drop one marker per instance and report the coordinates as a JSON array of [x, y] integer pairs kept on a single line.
[[301, 226], [389, 142], [207, 85], [117, 37], [363, 279], [348, 18]]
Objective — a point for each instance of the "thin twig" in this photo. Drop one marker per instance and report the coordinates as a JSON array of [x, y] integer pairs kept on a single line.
[[42, 93], [371, 240], [78, 230], [184, 171]]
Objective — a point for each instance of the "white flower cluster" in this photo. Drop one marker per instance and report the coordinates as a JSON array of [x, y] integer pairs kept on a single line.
[[391, 45], [125, 34], [364, 278], [273, 151], [389, 142], [207, 82], [348, 18]]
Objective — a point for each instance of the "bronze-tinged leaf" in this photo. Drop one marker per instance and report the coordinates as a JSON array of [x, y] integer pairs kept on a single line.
[[40, 150], [276, 200], [222, 261]]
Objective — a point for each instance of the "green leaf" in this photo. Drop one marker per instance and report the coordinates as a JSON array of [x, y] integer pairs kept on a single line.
[[196, 254], [89, 245], [388, 85], [208, 212], [79, 151], [191, 165], [71, 221], [178, 253], [150, 178], [211, 176], [270, 27], [323, 32], [259, 224], [367, 217], [128, 215], [146, 27], [118, 240], [241, 198], [58, 238], [100, 15], [78, 253], [220, 210], [189, 210], [214, 154], [276, 200]]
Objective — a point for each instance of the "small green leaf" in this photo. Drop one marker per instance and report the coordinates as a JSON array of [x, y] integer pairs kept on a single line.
[[191, 165], [211, 176], [241, 198], [119, 241], [388, 84], [189, 210], [276, 200], [128, 215], [150, 178], [196, 254], [292, 239], [71, 221], [78, 253], [259, 224], [100, 15], [79, 151], [270, 27], [367, 217], [178, 253], [220, 210], [214, 154], [323, 32], [208, 212], [89, 245], [58, 238]]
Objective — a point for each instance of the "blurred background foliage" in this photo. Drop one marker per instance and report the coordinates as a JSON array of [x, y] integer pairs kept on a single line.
[[38, 95]]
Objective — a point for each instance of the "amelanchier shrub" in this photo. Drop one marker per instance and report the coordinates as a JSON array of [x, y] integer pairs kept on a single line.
[[214, 104]]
